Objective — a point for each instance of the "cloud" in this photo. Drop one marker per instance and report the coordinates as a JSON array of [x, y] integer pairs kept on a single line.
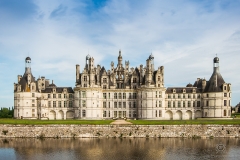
[[59, 11], [183, 36]]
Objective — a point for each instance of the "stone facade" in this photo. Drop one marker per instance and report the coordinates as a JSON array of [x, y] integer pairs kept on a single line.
[[121, 92], [129, 131]]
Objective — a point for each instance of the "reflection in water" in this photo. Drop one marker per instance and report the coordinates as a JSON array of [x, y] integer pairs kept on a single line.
[[117, 148]]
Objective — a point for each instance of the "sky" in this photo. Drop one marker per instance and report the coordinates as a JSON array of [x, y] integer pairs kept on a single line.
[[183, 35]]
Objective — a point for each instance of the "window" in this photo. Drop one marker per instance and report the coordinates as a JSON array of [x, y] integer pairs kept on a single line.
[[184, 104], [130, 105], [115, 104], [189, 95], [179, 103], [193, 104], [33, 95], [159, 78], [65, 103], [130, 95], [54, 103], [169, 104], [115, 95], [156, 94], [229, 94], [85, 85], [33, 110], [49, 95], [198, 103], [124, 95], [104, 105], [160, 113], [225, 87], [59, 104], [104, 86], [160, 95], [156, 113], [173, 104], [104, 80], [84, 78], [119, 95], [104, 113], [109, 105], [70, 104], [130, 115], [169, 96], [206, 103], [194, 96], [84, 94], [49, 103], [160, 104], [179, 95], [84, 113], [59, 95], [134, 114], [184, 96], [33, 101], [134, 104], [225, 102], [104, 95], [33, 105], [83, 103], [224, 113], [124, 104], [134, 80], [54, 95], [189, 104], [134, 95], [119, 104], [225, 94], [173, 95], [199, 96], [70, 96]]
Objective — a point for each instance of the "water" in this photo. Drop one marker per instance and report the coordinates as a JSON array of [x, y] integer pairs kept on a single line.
[[120, 149]]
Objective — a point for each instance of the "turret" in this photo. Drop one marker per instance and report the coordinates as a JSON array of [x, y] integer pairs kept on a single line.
[[120, 59], [77, 73]]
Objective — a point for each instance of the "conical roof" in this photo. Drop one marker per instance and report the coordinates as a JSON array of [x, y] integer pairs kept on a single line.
[[215, 82]]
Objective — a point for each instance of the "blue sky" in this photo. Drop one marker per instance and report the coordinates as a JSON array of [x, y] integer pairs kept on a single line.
[[183, 35]]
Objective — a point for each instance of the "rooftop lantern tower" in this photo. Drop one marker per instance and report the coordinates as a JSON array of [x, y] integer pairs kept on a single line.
[[28, 65]]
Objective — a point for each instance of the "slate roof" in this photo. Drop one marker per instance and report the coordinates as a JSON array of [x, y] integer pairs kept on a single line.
[[23, 82], [180, 89], [215, 82], [58, 90]]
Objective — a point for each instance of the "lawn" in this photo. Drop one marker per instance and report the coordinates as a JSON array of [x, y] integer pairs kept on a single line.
[[46, 122], [185, 122], [236, 114]]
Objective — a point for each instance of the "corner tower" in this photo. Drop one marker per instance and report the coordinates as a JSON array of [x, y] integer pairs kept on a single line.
[[216, 95]]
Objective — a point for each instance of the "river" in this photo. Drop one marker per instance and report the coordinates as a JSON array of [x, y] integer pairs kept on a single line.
[[119, 148]]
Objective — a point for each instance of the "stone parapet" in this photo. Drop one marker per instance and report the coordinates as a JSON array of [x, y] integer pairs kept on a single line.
[[122, 131]]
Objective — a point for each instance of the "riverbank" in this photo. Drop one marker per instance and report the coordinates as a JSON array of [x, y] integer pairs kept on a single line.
[[122, 131]]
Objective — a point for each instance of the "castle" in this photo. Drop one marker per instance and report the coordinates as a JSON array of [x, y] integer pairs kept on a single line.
[[121, 92]]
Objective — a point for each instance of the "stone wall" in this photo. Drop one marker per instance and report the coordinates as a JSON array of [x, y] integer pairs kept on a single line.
[[129, 131]]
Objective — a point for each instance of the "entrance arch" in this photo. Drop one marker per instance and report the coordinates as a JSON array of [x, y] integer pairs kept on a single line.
[[178, 115], [198, 114], [52, 115], [60, 114], [69, 115], [168, 115], [189, 114]]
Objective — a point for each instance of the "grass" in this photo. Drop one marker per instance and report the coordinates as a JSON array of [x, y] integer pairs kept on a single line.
[[185, 122], [236, 114], [107, 122], [47, 122]]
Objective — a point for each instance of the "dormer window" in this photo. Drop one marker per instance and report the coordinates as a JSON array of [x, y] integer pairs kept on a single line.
[[194, 90], [174, 90], [225, 88], [184, 90]]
